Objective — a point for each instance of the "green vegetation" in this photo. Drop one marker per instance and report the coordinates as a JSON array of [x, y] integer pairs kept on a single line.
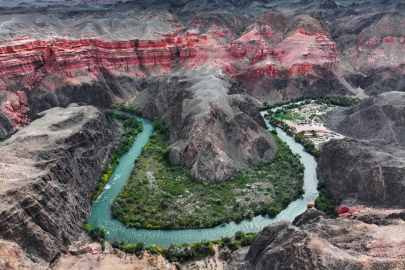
[[299, 137], [7, 137], [96, 233], [125, 108], [325, 201], [308, 144], [183, 252], [164, 196], [336, 100], [131, 129], [288, 115]]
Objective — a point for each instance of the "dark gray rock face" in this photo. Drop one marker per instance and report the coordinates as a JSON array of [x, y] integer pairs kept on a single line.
[[380, 118], [372, 171], [214, 127], [325, 244], [103, 92], [5, 126], [364, 171], [48, 173], [310, 216]]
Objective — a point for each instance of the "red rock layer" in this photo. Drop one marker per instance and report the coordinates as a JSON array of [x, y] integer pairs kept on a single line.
[[249, 57], [15, 108]]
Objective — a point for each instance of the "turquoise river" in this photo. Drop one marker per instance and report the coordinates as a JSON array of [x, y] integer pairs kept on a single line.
[[101, 211]]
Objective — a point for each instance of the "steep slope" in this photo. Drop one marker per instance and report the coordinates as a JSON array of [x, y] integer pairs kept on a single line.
[[371, 171], [378, 118], [102, 53], [48, 172], [215, 127]]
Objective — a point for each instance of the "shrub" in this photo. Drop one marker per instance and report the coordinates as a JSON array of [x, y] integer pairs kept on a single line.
[[249, 238], [239, 235], [96, 232]]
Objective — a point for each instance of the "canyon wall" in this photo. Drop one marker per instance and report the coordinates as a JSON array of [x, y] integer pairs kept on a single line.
[[273, 62], [49, 171]]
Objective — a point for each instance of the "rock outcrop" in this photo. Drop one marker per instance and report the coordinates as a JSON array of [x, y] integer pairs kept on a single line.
[[97, 256], [49, 171], [328, 244], [215, 127], [364, 171], [370, 166], [379, 119]]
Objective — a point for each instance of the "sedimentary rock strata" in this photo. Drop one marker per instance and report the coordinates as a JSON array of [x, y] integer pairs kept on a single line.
[[105, 58], [48, 172]]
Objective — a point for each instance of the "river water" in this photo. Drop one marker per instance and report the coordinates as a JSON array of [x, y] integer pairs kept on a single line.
[[101, 210]]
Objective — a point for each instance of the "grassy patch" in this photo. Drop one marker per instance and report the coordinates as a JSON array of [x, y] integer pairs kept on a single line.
[[162, 196]]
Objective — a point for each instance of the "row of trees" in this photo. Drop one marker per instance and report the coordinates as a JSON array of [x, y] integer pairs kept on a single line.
[[183, 252], [336, 100], [125, 108]]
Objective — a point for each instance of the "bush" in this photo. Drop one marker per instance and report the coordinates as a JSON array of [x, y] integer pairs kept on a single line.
[[249, 238], [95, 233], [226, 254], [132, 248], [273, 211], [239, 235]]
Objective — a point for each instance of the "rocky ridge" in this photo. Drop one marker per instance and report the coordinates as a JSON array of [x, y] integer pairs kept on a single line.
[[319, 243], [215, 127], [49, 171]]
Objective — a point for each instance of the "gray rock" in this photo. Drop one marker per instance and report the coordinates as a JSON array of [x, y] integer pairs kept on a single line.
[[327, 244], [49, 171], [311, 215], [214, 127], [369, 167], [396, 216], [370, 173]]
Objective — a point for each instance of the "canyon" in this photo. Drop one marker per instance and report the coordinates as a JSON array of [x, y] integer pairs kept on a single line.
[[203, 67], [53, 59]]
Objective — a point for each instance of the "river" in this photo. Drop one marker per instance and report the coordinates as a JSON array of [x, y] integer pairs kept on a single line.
[[101, 210]]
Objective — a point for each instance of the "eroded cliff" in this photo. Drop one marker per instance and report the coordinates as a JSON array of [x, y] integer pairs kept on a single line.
[[49, 171]]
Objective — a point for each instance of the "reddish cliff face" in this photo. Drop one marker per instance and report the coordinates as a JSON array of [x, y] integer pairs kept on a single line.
[[52, 65]]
